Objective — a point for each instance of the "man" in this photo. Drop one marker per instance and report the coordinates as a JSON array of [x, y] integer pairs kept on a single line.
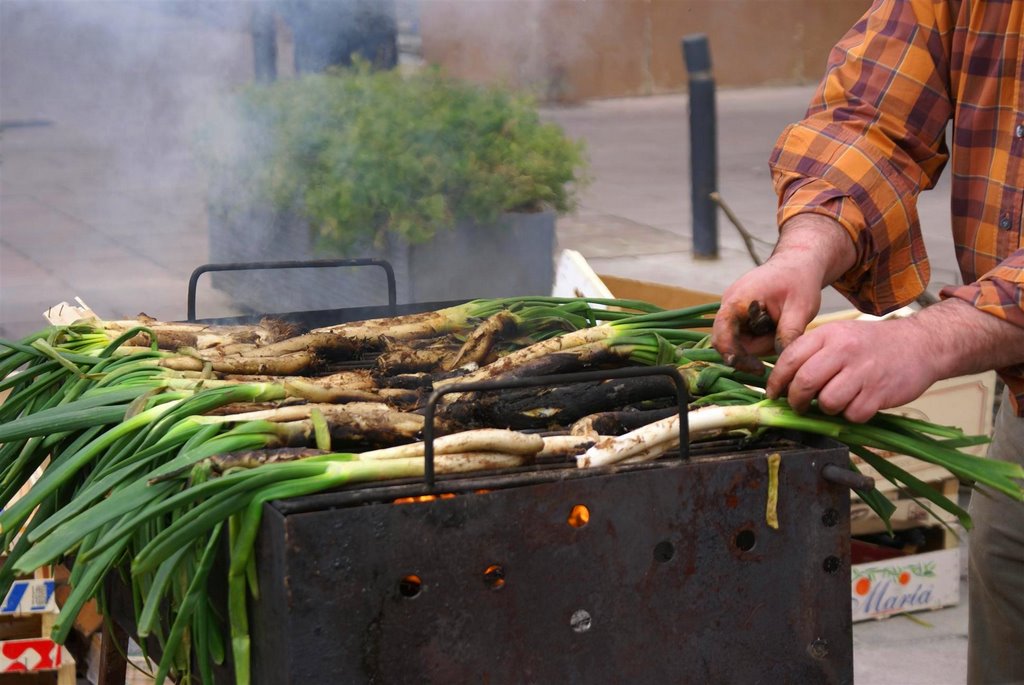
[[847, 177]]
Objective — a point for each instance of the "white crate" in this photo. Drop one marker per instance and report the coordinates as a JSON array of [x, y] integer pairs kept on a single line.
[[930, 580]]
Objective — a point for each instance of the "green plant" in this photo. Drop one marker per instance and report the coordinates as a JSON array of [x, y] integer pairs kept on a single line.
[[362, 153]]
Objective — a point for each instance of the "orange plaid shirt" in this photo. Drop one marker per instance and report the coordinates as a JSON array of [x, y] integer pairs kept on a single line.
[[875, 136]]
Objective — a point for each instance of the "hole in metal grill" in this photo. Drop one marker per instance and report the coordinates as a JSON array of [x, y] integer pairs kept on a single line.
[[830, 518], [410, 586], [494, 577], [832, 564], [745, 540], [664, 551], [581, 621], [579, 516]]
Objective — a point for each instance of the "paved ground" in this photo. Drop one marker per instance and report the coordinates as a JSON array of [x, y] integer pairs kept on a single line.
[[101, 197]]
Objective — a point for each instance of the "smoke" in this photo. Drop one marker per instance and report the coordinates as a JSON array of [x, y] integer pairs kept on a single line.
[[130, 77], [100, 194], [124, 88], [138, 77]]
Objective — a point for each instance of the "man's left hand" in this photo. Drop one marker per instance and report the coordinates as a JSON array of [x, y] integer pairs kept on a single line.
[[855, 368]]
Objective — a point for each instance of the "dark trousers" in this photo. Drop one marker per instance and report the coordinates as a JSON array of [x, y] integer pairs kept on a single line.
[[996, 570]]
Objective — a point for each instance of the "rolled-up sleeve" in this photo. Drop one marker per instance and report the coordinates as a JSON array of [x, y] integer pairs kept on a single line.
[[1000, 292], [872, 140]]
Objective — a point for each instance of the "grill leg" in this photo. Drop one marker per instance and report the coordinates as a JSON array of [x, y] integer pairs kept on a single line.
[[114, 646]]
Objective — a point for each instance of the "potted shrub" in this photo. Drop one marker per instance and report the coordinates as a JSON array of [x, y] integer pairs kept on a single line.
[[457, 185]]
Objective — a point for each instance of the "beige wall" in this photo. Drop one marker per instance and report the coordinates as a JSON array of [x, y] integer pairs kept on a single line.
[[574, 50]]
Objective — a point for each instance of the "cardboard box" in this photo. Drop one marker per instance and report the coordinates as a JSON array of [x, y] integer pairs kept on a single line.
[[27, 616], [30, 655], [575, 278], [667, 296]]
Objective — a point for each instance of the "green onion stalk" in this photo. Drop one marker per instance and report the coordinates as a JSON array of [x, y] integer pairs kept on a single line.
[[120, 404], [556, 312], [678, 326], [714, 385], [581, 312], [74, 379], [98, 536], [133, 418], [132, 522], [920, 439], [128, 416], [267, 348], [120, 467]]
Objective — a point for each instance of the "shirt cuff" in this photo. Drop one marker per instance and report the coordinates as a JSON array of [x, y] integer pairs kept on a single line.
[[1000, 292]]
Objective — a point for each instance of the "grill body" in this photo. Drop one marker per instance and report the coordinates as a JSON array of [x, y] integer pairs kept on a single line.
[[675, 578]]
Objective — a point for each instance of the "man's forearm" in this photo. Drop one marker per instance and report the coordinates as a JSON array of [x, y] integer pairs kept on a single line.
[[819, 244], [962, 339]]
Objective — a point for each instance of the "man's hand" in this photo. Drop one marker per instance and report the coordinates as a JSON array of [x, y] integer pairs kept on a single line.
[[790, 299], [812, 252], [856, 368]]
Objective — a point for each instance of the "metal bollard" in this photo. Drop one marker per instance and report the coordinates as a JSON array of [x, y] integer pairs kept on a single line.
[[703, 145], [264, 43]]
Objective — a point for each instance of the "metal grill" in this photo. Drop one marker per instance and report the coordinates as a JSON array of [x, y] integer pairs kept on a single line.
[[672, 575], [675, 577]]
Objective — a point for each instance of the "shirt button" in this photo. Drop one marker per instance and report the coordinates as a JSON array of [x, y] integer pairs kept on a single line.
[[1020, 131], [1004, 221]]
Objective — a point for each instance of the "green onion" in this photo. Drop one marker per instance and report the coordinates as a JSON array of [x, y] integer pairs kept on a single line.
[[150, 446]]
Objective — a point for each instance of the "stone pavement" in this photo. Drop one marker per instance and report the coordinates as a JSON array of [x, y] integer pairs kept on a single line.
[[101, 198]]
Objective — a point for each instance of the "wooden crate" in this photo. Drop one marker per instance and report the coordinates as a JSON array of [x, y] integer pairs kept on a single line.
[[27, 654], [929, 578], [966, 402], [909, 513]]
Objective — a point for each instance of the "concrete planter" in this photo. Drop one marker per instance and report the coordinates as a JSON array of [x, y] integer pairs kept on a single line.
[[515, 257]]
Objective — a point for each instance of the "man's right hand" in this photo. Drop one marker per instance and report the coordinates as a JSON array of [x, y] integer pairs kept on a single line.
[[782, 288], [812, 252]]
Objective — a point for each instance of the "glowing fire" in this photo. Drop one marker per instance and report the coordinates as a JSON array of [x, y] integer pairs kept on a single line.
[[431, 498], [579, 516], [423, 498]]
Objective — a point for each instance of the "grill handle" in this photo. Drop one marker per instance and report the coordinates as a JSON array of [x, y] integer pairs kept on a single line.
[[301, 264], [682, 397], [851, 479]]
